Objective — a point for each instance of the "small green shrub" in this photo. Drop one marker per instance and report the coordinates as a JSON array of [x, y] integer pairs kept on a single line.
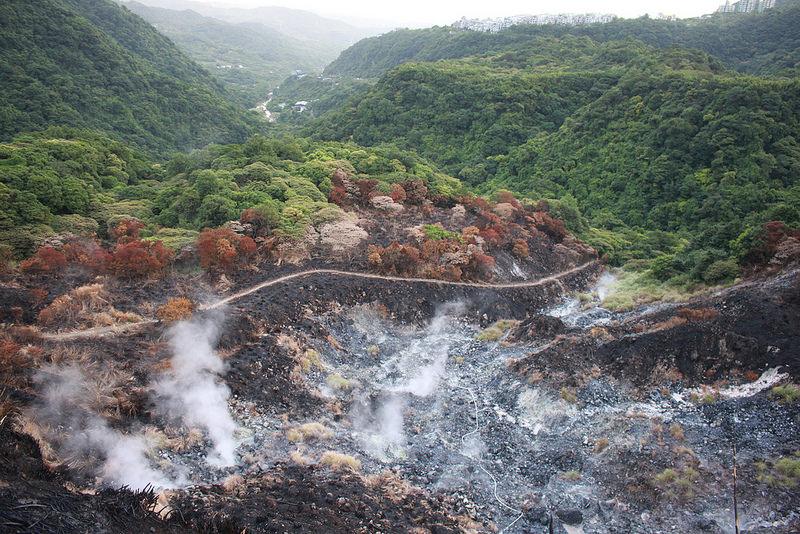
[[496, 331], [568, 395], [786, 393], [339, 383], [666, 476], [783, 472], [677, 483], [433, 231]]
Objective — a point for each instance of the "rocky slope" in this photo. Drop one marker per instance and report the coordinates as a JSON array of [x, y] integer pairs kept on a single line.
[[356, 402]]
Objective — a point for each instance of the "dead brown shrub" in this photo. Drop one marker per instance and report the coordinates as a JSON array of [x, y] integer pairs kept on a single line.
[[80, 302], [175, 310], [395, 488]]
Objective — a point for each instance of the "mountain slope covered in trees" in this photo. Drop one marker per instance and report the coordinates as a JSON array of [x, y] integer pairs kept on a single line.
[[752, 43], [250, 59], [641, 139], [296, 23], [92, 64]]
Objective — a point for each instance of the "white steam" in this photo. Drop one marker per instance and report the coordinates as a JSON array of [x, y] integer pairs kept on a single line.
[[193, 390], [605, 285], [420, 368], [83, 437]]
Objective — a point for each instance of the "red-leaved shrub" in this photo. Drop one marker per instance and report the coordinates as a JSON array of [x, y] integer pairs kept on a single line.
[[140, 259], [126, 231], [47, 259], [221, 249]]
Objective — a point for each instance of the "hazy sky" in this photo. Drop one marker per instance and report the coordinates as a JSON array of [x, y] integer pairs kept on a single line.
[[428, 13]]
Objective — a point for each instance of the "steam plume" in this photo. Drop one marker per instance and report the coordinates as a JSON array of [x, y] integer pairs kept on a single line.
[[422, 365], [194, 391], [82, 437]]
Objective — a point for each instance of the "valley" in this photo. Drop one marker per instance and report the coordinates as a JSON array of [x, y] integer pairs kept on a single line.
[[265, 271]]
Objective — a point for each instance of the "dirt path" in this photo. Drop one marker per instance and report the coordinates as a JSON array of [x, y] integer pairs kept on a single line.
[[283, 279], [268, 283]]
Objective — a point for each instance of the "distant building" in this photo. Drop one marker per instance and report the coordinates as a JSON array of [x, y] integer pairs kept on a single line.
[[499, 24], [746, 6]]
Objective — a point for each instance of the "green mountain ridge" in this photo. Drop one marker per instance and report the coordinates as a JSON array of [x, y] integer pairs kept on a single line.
[[92, 64], [641, 140], [752, 43], [250, 59]]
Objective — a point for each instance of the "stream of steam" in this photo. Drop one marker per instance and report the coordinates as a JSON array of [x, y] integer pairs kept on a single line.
[[424, 361], [192, 392], [79, 434]]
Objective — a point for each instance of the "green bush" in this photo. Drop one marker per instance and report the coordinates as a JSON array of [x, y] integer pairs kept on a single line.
[[721, 271]]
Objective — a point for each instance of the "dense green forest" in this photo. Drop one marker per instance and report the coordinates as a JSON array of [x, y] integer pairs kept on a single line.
[[118, 76], [250, 59], [464, 113], [663, 151], [70, 181], [753, 43], [656, 154]]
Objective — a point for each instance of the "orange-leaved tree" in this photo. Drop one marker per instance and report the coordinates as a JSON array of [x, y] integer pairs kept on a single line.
[[223, 250], [140, 259]]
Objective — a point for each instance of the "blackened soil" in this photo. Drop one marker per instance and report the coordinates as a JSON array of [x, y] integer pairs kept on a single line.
[[34, 499], [749, 328], [310, 499], [261, 371], [407, 301]]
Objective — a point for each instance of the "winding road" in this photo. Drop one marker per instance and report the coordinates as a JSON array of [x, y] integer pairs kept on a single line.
[[118, 329]]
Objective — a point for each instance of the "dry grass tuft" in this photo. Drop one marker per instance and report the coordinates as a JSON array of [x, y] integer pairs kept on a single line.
[[25, 335], [676, 431], [496, 331], [337, 460], [8, 408], [568, 395], [234, 484], [600, 444], [310, 359], [175, 310], [395, 488], [155, 438], [185, 441], [703, 314], [299, 458], [88, 306], [339, 383], [669, 324], [82, 301], [309, 432]]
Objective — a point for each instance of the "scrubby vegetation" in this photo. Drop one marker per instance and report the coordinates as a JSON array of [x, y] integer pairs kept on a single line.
[[786, 393], [496, 331]]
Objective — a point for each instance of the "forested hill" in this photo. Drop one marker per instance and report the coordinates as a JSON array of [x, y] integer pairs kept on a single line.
[[92, 64], [642, 139], [250, 59], [754, 43], [466, 112]]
